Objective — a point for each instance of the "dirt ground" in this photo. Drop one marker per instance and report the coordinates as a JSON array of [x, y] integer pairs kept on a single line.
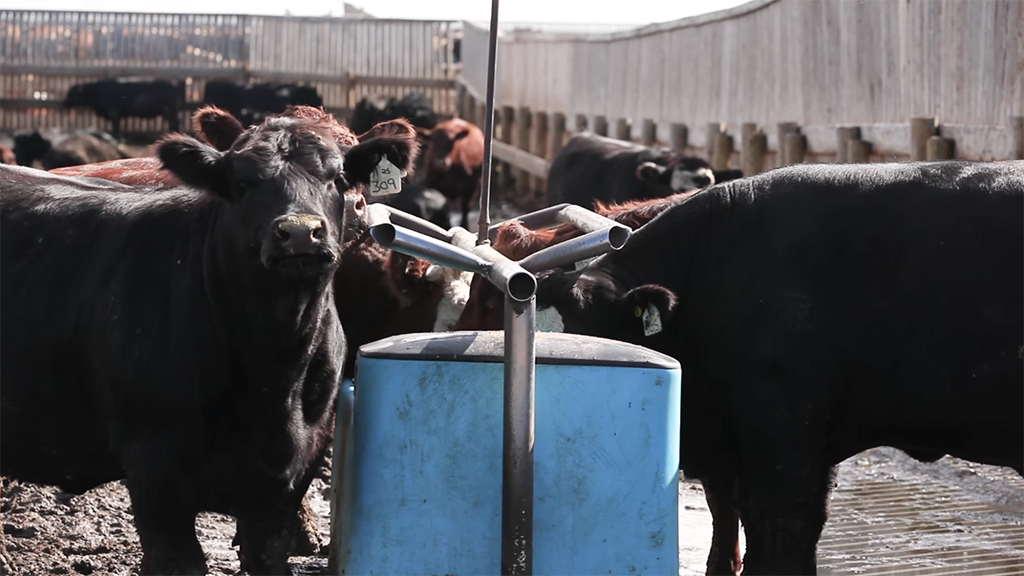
[[48, 532]]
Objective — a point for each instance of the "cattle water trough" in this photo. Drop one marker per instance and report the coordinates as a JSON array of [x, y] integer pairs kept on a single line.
[[415, 466]]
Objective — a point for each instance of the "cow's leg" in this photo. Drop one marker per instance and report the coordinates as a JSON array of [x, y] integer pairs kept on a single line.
[[115, 127], [172, 120], [264, 540], [784, 514], [465, 212], [721, 494], [164, 517]]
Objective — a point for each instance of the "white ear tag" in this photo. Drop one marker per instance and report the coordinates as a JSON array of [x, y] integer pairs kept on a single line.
[[549, 320], [652, 320], [385, 179]]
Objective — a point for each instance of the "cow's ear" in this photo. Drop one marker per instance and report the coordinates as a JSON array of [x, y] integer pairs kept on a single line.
[[194, 163], [394, 140], [650, 172], [216, 127], [650, 306], [462, 134]]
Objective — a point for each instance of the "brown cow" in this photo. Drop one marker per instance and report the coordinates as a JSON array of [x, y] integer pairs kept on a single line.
[[454, 158], [484, 310]]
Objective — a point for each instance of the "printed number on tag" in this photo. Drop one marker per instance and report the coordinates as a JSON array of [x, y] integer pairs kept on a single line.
[[385, 179], [651, 320]]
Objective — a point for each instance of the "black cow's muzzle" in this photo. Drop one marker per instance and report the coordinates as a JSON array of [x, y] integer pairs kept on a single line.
[[300, 244]]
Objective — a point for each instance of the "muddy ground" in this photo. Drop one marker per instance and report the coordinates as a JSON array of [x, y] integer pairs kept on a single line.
[[48, 532]]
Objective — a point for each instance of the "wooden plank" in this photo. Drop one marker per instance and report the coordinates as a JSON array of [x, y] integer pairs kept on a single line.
[[532, 165]]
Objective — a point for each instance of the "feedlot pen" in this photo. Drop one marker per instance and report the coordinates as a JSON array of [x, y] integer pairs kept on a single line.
[[889, 515]]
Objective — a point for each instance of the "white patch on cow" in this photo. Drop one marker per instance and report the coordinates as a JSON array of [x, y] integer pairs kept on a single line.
[[455, 284], [683, 179], [549, 320], [385, 179], [652, 320]]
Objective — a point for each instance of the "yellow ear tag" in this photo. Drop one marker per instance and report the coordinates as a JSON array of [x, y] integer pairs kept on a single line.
[[638, 312]]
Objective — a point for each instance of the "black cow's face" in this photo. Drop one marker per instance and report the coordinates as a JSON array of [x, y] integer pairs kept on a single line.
[[289, 185], [75, 96], [591, 302], [685, 174], [281, 183], [440, 143]]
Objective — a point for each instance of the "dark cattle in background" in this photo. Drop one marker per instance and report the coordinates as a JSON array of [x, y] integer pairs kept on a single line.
[[117, 98], [423, 202], [818, 311], [59, 147], [176, 356], [414, 107], [484, 309], [251, 102], [595, 168], [453, 160]]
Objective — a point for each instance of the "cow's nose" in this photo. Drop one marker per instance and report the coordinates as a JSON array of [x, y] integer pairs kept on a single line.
[[298, 234]]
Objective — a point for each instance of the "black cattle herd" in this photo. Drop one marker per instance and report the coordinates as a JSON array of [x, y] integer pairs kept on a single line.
[[185, 336]]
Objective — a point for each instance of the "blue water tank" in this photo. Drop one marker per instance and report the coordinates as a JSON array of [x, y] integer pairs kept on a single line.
[[419, 480]]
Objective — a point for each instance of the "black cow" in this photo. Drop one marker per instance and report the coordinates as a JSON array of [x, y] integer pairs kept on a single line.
[[117, 98], [62, 147], [426, 203], [250, 103], [591, 167], [414, 107], [184, 339], [818, 311]]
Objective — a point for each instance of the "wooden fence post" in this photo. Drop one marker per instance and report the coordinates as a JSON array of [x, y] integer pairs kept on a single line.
[[468, 107], [460, 94], [858, 151], [722, 152], [601, 125], [523, 119], [622, 129], [508, 115], [711, 137], [939, 148], [679, 136], [785, 128], [794, 148], [1018, 136], [581, 122], [921, 129], [755, 144], [557, 134], [843, 136], [648, 133], [539, 146]]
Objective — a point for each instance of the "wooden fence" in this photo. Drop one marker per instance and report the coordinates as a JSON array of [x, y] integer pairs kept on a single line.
[[770, 82], [43, 53]]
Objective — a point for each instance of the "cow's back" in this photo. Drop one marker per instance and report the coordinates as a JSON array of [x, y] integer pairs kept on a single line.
[[591, 168], [890, 296], [87, 286]]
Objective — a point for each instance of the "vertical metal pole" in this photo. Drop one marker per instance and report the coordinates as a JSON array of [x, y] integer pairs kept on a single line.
[[517, 443], [484, 223]]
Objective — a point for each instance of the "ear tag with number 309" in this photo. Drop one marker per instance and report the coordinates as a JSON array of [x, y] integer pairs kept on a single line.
[[385, 179], [652, 320]]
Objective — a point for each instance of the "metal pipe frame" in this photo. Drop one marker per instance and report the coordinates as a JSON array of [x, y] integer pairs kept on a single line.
[[518, 438], [460, 253], [484, 222], [578, 216]]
